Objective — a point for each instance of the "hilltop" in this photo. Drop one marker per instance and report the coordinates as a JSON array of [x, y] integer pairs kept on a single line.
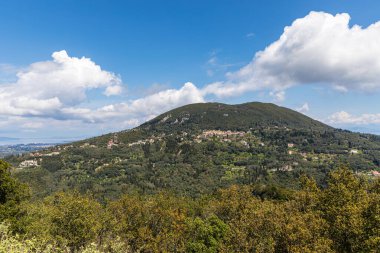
[[199, 148], [231, 117]]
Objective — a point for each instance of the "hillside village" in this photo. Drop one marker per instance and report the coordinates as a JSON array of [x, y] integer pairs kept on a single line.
[[296, 158], [199, 148]]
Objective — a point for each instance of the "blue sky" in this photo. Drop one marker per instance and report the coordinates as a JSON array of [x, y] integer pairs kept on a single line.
[[139, 55]]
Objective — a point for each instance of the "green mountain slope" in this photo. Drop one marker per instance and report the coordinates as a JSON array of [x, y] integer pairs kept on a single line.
[[199, 148], [231, 117]]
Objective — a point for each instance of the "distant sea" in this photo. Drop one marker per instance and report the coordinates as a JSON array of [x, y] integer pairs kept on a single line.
[[14, 141], [371, 129]]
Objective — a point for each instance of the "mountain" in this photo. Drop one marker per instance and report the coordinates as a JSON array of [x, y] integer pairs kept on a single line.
[[207, 116], [231, 117], [199, 148]]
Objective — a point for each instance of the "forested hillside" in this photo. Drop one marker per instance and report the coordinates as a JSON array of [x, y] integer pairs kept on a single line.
[[201, 178], [197, 149], [343, 216]]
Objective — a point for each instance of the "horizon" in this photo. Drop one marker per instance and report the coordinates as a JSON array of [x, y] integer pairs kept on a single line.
[[111, 67]]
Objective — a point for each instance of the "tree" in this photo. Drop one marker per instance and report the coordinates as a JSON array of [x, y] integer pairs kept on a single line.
[[69, 219], [372, 219], [206, 236], [52, 164], [343, 204], [151, 223], [12, 193]]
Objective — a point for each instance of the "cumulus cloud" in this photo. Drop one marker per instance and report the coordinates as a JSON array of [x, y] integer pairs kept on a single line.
[[318, 49], [45, 87], [140, 109], [113, 90], [168, 99], [54, 91], [343, 117]]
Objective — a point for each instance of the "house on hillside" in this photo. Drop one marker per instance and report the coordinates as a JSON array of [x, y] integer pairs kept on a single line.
[[354, 152], [114, 141], [28, 163], [52, 153]]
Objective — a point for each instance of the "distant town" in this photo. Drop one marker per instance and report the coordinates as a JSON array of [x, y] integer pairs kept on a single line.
[[19, 149]]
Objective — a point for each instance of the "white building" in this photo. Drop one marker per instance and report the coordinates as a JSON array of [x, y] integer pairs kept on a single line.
[[28, 163], [354, 151], [291, 145]]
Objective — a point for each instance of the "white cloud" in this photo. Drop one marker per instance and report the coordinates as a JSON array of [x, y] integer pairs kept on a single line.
[[113, 90], [319, 48], [131, 123], [53, 91], [278, 96], [32, 125], [222, 89], [24, 105], [343, 117], [140, 109], [43, 88], [304, 108], [168, 99]]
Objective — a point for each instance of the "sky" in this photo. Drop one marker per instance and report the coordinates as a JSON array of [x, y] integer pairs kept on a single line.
[[73, 69]]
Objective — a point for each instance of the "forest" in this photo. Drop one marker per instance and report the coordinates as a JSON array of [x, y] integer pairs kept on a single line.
[[342, 216]]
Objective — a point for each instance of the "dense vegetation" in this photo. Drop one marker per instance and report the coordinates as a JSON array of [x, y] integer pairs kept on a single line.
[[266, 144], [231, 117], [341, 217]]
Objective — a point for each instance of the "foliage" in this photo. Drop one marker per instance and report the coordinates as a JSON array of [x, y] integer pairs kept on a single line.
[[12, 193], [206, 236], [342, 216], [68, 219]]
